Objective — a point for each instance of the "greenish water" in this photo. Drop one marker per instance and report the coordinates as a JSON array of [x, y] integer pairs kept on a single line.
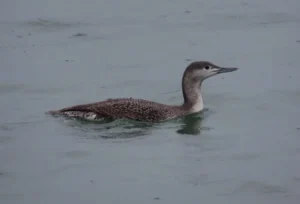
[[244, 148]]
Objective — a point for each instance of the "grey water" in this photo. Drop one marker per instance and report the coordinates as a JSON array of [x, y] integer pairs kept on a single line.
[[243, 148]]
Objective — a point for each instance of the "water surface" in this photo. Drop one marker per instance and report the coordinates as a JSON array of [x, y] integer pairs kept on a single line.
[[243, 148]]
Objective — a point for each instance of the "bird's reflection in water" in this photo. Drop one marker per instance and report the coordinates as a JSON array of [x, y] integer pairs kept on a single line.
[[192, 124], [111, 129], [128, 129]]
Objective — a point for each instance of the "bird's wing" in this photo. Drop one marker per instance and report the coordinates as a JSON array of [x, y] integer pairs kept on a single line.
[[129, 108]]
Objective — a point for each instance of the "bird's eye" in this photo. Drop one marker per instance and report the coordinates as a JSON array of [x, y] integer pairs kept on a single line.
[[207, 67]]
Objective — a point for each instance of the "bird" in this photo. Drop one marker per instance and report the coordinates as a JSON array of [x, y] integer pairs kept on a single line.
[[150, 111]]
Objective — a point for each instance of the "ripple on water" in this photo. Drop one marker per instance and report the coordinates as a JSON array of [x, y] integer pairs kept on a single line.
[[246, 156], [6, 139], [34, 89], [296, 178], [51, 24], [77, 154], [10, 88], [15, 125], [257, 188], [67, 167], [12, 126], [5, 174]]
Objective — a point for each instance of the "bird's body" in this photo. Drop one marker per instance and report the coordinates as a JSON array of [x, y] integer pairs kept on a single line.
[[135, 109], [150, 111]]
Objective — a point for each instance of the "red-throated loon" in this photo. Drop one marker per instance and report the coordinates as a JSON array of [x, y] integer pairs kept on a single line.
[[144, 110]]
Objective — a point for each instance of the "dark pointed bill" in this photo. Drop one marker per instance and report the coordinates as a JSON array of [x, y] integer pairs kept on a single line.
[[227, 69]]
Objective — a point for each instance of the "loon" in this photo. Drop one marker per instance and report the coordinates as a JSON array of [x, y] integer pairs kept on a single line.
[[150, 111]]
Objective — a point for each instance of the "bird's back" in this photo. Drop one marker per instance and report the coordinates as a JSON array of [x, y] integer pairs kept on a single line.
[[136, 109]]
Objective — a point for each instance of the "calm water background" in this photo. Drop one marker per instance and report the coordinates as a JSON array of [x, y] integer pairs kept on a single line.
[[244, 148]]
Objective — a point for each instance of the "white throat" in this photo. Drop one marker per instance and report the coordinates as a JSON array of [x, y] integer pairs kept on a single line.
[[198, 105]]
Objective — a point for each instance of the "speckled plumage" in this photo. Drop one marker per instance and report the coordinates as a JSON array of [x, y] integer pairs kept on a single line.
[[144, 110], [136, 109]]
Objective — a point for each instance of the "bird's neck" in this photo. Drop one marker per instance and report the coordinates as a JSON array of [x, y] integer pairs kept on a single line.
[[193, 101]]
